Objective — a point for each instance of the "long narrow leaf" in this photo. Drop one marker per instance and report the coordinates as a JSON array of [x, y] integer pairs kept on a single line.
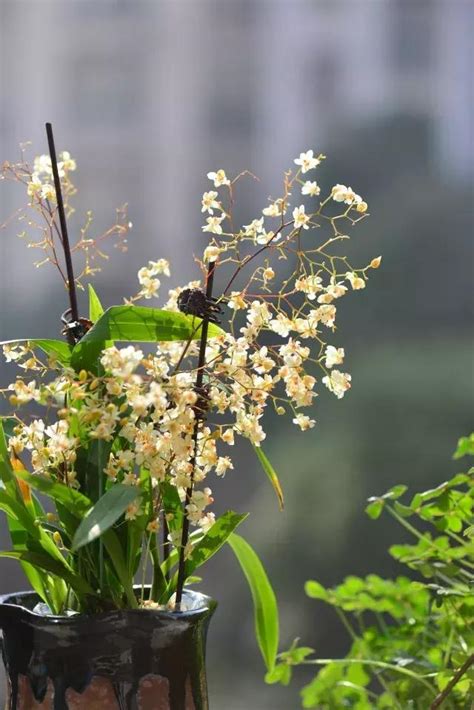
[[113, 547], [264, 600], [138, 324], [136, 528], [104, 514], [173, 558], [7, 476], [17, 510], [271, 473], [77, 503], [210, 544], [172, 505], [27, 520], [95, 306], [135, 324], [19, 538], [150, 325], [93, 351], [43, 561]]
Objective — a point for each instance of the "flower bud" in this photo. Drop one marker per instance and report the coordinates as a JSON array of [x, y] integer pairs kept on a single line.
[[82, 376], [375, 263], [362, 207]]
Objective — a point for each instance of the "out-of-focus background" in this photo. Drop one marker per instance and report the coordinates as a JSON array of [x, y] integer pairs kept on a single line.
[[150, 96]]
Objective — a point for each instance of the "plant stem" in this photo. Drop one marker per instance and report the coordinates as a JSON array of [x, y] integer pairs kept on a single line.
[[420, 536], [455, 679], [62, 220], [197, 421], [376, 664]]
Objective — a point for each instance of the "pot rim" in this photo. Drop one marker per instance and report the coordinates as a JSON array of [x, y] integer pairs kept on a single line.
[[206, 607]]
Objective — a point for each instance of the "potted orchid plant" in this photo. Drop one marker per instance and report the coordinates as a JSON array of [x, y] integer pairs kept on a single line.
[[117, 429]]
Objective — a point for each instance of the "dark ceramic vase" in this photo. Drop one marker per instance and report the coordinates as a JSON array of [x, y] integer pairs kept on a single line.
[[119, 660]]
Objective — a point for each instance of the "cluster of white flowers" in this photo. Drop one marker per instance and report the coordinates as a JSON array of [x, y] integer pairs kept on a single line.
[[41, 179], [147, 278], [144, 407]]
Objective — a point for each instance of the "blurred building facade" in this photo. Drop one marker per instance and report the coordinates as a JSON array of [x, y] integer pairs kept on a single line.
[[146, 80]]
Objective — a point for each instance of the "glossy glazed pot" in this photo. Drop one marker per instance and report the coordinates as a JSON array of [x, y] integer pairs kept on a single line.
[[121, 660]]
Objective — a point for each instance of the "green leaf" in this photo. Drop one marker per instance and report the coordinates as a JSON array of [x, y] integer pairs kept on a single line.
[[271, 473], [7, 476], [439, 491], [403, 510], [375, 507], [172, 505], [114, 549], [137, 324], [98, 453], [9, 424], [296, 654], [395, 492], [57, 348], [47, 563], [264, 601], [173, 558], [465, 447], [95, 306], [19, 538], [211, 543], [135, 529], [104, 514], [17, 510], [315, 590], [77, 503], [357, 675], [281, 673]]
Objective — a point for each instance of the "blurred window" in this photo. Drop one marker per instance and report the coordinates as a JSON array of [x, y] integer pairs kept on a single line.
[[412, 30], [324, 78], [231, 116], [240, 12], [102, 89]]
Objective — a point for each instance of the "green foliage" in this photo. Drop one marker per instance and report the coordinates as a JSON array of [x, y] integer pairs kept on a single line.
[[264, 601], [210, 544], [465, 446], [133, 324], [108, 509], [96, 309], [271, 473], [411, 638]]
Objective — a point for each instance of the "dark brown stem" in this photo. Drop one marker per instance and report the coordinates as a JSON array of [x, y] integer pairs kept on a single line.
[[197, 421], [454, 680], [71, 283]]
